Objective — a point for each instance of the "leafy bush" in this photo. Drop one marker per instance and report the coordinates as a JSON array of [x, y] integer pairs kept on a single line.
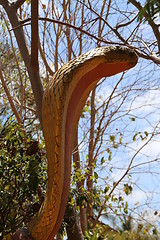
[[22, 177]]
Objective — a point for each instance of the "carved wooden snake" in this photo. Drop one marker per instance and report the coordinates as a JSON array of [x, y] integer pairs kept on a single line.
[[63, 102]]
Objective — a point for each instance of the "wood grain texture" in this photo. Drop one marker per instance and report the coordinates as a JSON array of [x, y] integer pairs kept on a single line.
[[63, 102]]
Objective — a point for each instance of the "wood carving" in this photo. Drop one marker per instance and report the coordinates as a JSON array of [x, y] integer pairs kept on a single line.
[[63, 102]]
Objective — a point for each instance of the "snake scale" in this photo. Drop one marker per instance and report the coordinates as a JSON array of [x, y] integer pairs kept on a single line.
[[63, 102]]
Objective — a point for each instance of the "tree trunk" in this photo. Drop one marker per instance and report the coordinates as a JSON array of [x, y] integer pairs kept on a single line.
[[80, 186], [73, 227], [90, 159], [22, 44]]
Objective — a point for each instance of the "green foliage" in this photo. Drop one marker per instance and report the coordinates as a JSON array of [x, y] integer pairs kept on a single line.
[[22, 177], [142, 136], [101, 231], [127, 189], [127, 232], [152, 8]]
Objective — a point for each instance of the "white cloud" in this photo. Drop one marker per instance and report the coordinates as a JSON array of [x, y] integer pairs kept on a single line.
[[137, 197]]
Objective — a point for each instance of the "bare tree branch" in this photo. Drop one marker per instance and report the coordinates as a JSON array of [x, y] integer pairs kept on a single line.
[[123, 176], [127, 23], [18, 4], [152, 57], [4, 3], [150, 21], [19, 71], [105, 21], [80, 185], [90, 157], [34, 35], [152, 24], [22, 23], [35, 80], [10, 99], [44, 59]]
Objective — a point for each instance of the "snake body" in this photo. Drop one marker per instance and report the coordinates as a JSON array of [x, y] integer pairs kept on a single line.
[[63, 102]]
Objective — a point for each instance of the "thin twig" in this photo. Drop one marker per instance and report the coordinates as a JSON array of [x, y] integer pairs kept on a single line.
[[150, 21], [34, 35], [44, 59], [4, 85], [123, 176], [127, 23], [25, 22]]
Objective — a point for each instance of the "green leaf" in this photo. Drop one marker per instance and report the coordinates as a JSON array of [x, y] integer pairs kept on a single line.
[[106, 189], [112, 138], [146, 133], [86, 108], [120, 139], [127, 189], [102, 160], [132, 119], [109, 157], [120, 199], [21, 134], [125, 210], [155, 231], [114, 199], [134, 137], [95, 175]]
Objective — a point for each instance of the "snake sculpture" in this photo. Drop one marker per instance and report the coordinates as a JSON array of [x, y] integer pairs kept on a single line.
[[63, 102]]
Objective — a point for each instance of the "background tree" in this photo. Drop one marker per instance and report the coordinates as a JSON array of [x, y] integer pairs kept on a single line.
[[120, 120]]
